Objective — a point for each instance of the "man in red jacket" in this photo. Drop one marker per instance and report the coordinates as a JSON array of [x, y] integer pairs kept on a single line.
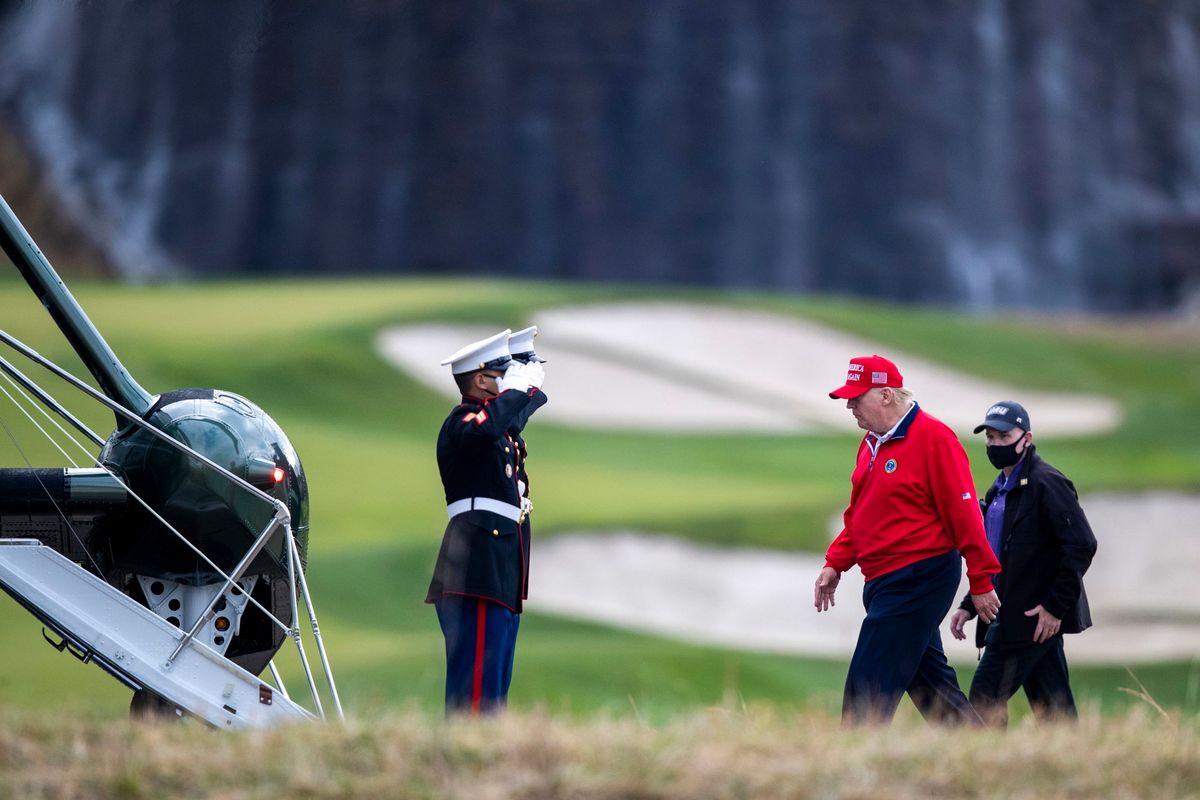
[[912, 517]]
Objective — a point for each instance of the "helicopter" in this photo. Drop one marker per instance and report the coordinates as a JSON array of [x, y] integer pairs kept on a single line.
[[173, 552]]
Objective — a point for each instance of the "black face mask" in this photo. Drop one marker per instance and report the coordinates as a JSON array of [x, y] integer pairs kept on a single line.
[[1004, 455]]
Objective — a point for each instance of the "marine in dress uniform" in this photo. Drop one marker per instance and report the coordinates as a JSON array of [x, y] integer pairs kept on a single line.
[[480, 580]]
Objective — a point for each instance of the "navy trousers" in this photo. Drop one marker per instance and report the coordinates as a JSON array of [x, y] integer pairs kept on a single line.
[[900, 650], [481, 640], [1041, 669]]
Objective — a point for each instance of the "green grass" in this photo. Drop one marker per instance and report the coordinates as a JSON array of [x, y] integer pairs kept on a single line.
[[303, 350]]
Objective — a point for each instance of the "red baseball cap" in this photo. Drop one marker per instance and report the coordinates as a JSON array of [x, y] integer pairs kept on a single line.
[[866, 373]]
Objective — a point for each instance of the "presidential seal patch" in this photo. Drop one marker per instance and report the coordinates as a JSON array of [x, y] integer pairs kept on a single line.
[[890, 466]]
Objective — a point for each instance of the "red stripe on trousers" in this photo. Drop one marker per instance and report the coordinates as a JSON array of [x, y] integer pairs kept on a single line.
[[480, 640]]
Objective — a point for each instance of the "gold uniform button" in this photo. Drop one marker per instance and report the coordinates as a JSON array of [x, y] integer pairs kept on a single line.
[[495, 533], [506, 449]]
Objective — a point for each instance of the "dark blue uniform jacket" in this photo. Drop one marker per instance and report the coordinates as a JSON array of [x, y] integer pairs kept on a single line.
[[480, 453]]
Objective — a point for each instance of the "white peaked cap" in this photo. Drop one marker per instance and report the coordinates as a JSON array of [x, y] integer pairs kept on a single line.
[[522, 342], [478, 355]]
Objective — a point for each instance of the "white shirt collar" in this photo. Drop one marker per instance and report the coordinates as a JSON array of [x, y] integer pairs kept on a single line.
[[874, 439]]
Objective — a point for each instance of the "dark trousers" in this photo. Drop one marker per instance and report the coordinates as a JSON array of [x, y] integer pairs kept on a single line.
[[1041, 669], [900, 650], [481, 640]]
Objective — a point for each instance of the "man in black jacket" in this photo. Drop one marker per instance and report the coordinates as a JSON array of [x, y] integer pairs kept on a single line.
[[480, 580], [1045, 545]]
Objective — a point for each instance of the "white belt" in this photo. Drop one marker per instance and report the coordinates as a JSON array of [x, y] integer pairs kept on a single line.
[[484, 504]]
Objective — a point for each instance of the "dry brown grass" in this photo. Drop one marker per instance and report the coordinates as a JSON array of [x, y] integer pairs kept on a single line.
[[757, 753]]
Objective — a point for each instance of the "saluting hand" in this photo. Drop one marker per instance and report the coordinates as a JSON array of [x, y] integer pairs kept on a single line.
[[1048, 624], [536, 373], [826, 585], [515, 377], [987, 605]]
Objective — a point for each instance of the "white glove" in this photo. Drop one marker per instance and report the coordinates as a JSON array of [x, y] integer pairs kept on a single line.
[[515, 377], [537, 374], [526, 506]]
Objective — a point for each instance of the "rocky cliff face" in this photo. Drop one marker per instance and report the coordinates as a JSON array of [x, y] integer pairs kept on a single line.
[[988, 153]]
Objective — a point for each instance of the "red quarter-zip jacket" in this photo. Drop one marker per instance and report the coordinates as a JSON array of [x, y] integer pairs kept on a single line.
[[914, 499]]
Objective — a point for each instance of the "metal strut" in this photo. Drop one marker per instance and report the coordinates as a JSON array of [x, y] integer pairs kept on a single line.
[[316, 630], [295, 631], [49, 401]]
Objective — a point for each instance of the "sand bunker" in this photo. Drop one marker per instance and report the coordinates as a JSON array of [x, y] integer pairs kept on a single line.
[[1142, 592], [680, 367]]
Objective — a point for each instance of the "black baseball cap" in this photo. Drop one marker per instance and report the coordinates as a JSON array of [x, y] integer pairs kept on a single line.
[[1004, 416]]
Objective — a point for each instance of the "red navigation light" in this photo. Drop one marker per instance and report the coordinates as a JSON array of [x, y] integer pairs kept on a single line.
[[277, 474]]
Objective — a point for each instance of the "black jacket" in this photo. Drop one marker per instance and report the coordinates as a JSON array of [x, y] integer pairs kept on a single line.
[[1046, 545], [480, 454]]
